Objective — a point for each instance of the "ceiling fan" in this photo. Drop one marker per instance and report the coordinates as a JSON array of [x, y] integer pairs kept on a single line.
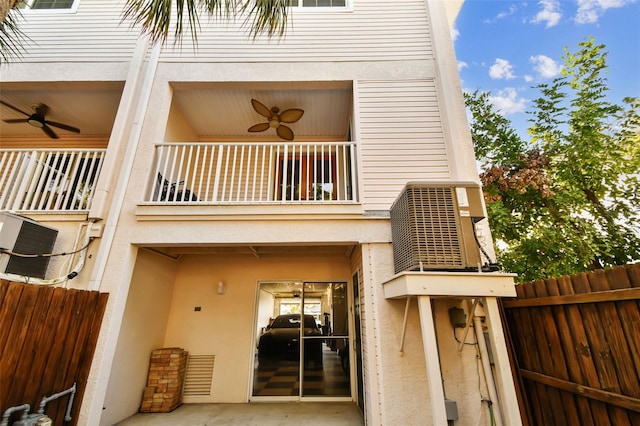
[[37, 119], [276, 118]]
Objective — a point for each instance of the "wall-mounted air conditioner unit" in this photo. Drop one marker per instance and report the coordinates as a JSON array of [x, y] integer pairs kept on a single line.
[[23, 235], [432, 226]]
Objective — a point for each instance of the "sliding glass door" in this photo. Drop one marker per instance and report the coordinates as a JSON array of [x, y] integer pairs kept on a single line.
[[302, 340]]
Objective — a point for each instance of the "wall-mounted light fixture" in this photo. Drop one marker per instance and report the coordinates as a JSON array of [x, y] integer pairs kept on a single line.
[[222, 288]]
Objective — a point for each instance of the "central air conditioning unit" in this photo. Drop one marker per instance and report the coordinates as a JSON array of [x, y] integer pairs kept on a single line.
[[19, 234], [432, 226]]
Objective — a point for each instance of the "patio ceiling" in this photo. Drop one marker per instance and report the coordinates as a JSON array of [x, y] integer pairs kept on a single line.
[[257, 250], [213, 111], [91, 107]]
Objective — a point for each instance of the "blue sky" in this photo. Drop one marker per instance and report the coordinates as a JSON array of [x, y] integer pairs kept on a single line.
[[507, 47]]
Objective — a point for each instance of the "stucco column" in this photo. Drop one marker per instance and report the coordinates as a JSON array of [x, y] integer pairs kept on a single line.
[[432, 361]]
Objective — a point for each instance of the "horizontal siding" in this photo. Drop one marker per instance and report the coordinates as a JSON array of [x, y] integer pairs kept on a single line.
[[375, 30], [401, 138], [94, 33]]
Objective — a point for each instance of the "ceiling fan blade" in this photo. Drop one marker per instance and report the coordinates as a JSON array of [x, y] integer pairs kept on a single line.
[[285, 133], [49, 132], [63, 126], [14, 108], [261, 109], [259, 127], [291, 115], [16, 120]]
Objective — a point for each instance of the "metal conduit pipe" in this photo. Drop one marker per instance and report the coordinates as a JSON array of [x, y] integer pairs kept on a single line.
[[9, 411], [486, 366]]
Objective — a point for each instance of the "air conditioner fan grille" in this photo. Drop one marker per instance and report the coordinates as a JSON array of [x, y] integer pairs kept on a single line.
[[425, 230]]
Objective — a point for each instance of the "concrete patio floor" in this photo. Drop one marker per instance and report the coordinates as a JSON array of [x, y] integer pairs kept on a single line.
[[255, 414]]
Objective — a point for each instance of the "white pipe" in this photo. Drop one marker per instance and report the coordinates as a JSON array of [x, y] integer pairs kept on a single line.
[[471, 314], [404, 323], [486, 366]]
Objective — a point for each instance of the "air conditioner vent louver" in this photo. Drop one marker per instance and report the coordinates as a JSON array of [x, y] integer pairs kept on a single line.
[[431, 225], [22, 235]]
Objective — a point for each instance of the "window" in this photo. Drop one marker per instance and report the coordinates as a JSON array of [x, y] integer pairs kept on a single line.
[[49, 4], [318, 3]]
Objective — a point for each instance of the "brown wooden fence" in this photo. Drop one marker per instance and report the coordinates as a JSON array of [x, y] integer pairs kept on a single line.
[[47, 339], [575, 344]]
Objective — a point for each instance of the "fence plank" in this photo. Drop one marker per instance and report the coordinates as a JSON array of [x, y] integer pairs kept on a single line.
[[549, 398], [619, 318], [629, 312], [579, 336], [633, 272], [556, 364], [47, 339], [597, 336], [583, 415], [32, 343], [583, 352]]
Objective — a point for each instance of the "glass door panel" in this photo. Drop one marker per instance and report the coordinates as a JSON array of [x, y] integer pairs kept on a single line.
[[326, 348], [277, 357], [315, 314]]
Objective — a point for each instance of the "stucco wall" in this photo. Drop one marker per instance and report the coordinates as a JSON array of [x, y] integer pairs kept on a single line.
[[225, 324], [398, 379], [143, 329]]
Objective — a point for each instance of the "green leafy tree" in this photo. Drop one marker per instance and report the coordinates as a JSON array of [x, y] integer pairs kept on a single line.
[[567, 200]]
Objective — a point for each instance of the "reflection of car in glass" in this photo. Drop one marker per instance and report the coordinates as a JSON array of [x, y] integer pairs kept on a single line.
[[281, 340]]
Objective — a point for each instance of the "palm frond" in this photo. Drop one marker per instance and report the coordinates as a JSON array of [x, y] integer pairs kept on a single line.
[[12, 39], [155, 16], [269, 16]]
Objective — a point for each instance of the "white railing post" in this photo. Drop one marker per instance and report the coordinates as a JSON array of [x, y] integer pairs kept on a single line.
[[257, 173], [48, 179]]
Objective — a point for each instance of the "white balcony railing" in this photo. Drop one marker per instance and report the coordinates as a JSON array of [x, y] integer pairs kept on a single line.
[[48, 179], [253, 173]]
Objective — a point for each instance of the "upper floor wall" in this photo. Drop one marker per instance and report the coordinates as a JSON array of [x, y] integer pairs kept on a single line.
[[365, 30]]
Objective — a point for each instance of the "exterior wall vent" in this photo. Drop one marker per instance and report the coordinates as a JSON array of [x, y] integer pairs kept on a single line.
[[432, 226], [199, 375], [23, 235]]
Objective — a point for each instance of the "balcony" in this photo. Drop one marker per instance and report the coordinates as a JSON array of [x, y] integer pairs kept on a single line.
[[253, 173], [49, 180]]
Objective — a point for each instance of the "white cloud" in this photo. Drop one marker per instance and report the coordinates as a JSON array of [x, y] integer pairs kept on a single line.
[[507, 101], [501, 69], [545, 66], [462, 65], [454, 33], [528, 78], [589, 11], [501, 15], [550, 13]]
